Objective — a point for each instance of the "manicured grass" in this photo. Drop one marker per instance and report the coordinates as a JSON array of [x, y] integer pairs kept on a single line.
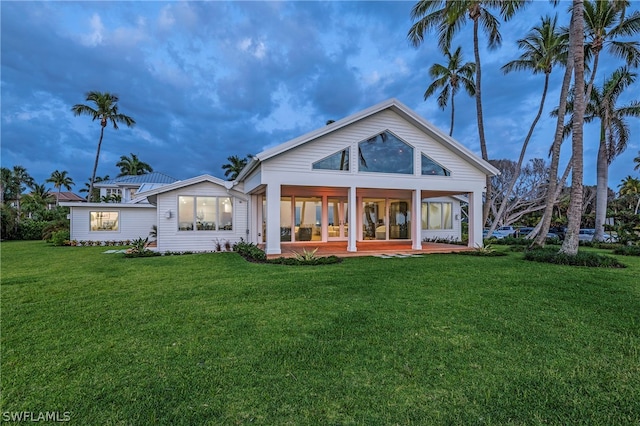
[[213, 339]]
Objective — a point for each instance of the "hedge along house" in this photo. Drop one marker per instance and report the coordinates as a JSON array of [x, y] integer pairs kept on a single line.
[[382, 174]]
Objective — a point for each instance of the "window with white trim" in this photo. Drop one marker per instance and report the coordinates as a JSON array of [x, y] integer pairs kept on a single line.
[[104, 221], [205, 213], [437, 215]]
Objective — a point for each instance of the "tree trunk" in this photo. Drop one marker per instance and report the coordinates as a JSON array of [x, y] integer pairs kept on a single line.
[[602, 187], [523, 151], [555, 153], [483, 143], [453, 109], [95, 165], [574, 214]]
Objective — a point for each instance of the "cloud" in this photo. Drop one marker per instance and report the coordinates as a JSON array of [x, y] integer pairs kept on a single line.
[[96, 36]]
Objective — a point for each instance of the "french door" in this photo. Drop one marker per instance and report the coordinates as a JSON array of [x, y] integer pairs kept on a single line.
[[338, 219]]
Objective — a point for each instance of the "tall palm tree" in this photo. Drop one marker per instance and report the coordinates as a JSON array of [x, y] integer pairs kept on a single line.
[[234, 166], [574, 214], [614, 133], [605, 24], [450, 77], [544, 47], [104, 108], [631, 186], [637, 161], [447, 18], [60, 179], [132, 166]]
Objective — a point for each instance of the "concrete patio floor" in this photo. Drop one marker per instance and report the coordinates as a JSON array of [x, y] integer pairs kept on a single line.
[[366, 248]]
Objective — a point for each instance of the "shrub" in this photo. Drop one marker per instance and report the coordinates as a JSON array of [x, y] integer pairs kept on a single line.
[[552, 255], [32, 229], [487, 251], [627, 250], [59, 238], [250, 251], [139, 249], [292, 261]]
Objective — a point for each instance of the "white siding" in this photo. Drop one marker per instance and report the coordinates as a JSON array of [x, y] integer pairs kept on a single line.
[[294, 166], [454, 234], [170, 239], [134, 222]]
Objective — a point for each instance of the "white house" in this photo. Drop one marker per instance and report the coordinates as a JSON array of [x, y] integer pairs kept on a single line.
[[382, 174]]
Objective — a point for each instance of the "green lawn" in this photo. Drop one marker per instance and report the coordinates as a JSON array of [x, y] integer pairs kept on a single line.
[[213, 339]]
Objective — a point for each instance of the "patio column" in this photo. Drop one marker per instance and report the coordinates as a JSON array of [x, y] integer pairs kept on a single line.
[[273, 219], [353, 219], [416, 222], [475, 219]]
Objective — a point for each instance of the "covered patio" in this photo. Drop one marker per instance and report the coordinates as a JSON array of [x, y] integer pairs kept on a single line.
[[367, 248]]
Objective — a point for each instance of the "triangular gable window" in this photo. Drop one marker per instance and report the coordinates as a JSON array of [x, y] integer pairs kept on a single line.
[[431, 168], [385, 153], [337, 161]]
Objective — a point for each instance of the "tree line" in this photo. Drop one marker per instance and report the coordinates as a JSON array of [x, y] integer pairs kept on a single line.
[[595, 25]]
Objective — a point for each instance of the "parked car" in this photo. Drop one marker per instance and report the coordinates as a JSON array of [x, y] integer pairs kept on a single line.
[[586, 234], [505, 231], [525, 231]]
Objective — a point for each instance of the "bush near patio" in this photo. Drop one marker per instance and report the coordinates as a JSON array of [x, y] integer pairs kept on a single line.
[[212, 339]]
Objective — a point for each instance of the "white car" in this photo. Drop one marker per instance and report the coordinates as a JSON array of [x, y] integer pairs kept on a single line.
[[587, 234]]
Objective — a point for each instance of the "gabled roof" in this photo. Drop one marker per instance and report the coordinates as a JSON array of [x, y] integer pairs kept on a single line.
[[154, 177], [392, 104], [68, 196], [186, 182]]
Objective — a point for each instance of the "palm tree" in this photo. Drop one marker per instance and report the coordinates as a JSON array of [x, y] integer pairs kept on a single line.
[[235, 165], [5, 184], [544, 47], [60, 179], [132, 166], [614, 133], [637, 161], [96, 193], [105, 109], [20, 177], [447, 18], [449, 78], [605, 24], [631, 186], [36, 202], [574, 214]]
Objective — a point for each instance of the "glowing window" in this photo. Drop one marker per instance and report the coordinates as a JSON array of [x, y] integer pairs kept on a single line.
[[104, 221], [385, 153]]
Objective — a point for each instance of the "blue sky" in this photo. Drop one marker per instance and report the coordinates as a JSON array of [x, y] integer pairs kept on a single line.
[[206, 80]]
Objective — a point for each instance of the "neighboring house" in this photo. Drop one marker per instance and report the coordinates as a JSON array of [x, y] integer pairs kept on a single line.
[[130, 218], [126, 187], [383, 174], [65, 197]]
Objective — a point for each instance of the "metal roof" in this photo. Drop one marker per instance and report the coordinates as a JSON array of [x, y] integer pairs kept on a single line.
[[154, 177]]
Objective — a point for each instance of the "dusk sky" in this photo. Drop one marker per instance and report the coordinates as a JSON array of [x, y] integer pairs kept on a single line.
[[207, 80]]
